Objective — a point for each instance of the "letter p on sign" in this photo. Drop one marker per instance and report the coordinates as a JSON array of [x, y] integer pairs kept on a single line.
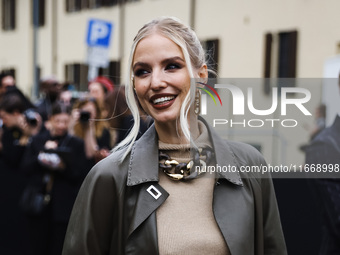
[[99, 33]]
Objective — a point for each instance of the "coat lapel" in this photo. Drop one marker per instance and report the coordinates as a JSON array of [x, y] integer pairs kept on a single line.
[[149, 197], [144, 195], [234, 213], [233, 205], [142, 232]]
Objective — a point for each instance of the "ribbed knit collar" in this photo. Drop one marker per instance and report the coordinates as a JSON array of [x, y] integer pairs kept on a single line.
[[202, 141]]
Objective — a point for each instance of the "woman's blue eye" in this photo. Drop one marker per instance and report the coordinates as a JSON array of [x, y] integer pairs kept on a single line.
[[140, 72], [173, 66]]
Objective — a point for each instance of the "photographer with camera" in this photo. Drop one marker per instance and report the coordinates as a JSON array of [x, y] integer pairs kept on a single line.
[[19, 123], [55, 165], [89, 125]]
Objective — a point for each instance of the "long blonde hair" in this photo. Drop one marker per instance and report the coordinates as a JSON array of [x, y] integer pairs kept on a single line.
[[194, 56]]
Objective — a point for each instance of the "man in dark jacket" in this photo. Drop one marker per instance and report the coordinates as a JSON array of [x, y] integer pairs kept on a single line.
[[55, 166], [16, 133], [325, 150], [51, 88]]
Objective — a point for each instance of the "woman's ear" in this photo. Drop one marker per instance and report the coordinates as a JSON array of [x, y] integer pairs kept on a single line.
[[203, 71]]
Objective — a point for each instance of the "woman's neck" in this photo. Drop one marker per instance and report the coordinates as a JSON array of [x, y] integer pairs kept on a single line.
[[172, 133]]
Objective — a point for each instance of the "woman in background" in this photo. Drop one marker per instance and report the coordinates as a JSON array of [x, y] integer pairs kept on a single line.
[[88, 124], [120, 117], [99, 88]]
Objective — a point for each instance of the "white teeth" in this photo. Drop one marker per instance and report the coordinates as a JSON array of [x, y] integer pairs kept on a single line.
[[162, 99]]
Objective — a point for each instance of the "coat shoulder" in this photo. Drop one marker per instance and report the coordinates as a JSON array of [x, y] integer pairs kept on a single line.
[[245, 153], [110, 169]]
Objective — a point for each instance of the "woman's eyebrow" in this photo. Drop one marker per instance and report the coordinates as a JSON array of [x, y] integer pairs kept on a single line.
[[176, 58], [164, 61], [141, 64]]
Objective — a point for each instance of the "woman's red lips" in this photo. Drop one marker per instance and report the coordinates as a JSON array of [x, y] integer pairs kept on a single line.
[[162, 101]]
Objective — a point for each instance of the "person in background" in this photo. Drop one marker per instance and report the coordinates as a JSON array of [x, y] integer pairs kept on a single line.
[[51, 89], [318, 125], [6, 80], [99, 88], [324, 150], [87, 123], [20, 123], [54, 164], [320, 121], [66, 94], [119, 115]]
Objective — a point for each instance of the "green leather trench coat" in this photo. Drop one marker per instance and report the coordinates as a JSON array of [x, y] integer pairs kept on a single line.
[[115, 211]]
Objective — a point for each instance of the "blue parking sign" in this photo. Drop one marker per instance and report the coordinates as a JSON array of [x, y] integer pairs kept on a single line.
[[99, 33]]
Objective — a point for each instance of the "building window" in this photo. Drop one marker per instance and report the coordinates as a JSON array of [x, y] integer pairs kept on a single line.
[[93, 4], [112, 72], [280, 52], [287, 54], [267, 62], [76, 74], [211, 47], [103, 3], [280, 56], [75, 5], [268, 55], [41, 12], [8, 14], [78, 5], [110, 2], [41, 21]]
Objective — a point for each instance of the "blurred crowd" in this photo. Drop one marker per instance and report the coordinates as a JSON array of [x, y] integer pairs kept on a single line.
[[46, 150], [48, 147]]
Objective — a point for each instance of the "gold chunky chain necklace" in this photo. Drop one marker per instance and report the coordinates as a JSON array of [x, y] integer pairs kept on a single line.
[[186, 171]]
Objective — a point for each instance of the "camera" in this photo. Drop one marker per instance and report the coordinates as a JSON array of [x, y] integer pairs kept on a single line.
[[84, 116], [31, 117]]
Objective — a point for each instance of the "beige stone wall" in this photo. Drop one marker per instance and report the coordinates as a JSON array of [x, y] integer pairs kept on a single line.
[[239, 25]]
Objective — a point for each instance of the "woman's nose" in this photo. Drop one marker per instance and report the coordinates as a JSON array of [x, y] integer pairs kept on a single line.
[[158, 80]]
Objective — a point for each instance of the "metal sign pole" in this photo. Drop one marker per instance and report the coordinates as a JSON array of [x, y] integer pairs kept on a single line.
[[93, 72], [35, 89], [98, 42]]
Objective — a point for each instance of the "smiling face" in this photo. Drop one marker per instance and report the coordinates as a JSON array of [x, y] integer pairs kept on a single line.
[[161, 77]]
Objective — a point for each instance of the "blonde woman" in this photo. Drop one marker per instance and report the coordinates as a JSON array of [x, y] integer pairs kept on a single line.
[[145, 198]]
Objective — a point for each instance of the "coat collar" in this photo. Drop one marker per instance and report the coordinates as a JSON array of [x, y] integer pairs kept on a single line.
[[336, 123], [144, 158]]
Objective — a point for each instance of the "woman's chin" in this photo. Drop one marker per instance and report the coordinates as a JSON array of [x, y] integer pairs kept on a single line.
[[166, 120]]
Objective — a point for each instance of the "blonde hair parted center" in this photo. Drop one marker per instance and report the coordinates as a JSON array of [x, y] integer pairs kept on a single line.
[[194, 56]]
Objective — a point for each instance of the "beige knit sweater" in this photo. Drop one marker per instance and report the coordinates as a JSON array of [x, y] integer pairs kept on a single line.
[[185, 222]]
